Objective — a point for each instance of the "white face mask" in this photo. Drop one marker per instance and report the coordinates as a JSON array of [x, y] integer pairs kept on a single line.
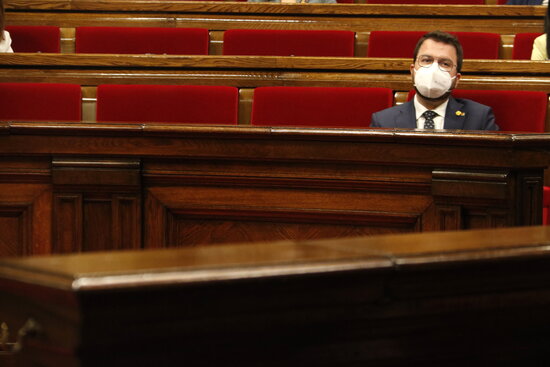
[[432, 82]]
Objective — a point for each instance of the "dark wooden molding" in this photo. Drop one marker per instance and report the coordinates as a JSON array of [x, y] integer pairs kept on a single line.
[[128, 186]]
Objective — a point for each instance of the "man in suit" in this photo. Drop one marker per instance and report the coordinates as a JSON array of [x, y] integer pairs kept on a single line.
[[435, 72]]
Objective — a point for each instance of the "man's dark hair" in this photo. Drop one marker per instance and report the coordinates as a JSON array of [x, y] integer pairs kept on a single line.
[[442, 37]]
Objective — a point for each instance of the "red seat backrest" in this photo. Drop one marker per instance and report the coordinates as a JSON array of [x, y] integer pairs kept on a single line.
[[318, 106], [142, 40], [479, 45], [393, 43], [187, 104], [288, 42], [476, 45], [35, 38], [523, 45], [40, 102], [509, 107], [517, 111]]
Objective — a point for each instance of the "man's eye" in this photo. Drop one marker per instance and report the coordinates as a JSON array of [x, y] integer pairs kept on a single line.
[[446, 63], [426, 59]]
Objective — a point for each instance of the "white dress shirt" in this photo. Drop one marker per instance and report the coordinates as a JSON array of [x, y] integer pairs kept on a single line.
[[5, 44], [439, 120]]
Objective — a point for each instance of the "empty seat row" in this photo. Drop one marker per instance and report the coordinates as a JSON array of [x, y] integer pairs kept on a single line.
[[348, 107], [195, 41], [272, 106]]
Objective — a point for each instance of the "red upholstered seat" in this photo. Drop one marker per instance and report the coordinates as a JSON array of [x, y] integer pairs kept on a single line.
[[523, 45], [288, 42], [476, 45], [318, 106], [188, 104], [142, 40], [508, 105], [35, 38], [393, 43], [40, 102]]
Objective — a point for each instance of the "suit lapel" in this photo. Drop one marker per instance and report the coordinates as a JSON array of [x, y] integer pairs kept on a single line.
[[407, 116], [454, 115]]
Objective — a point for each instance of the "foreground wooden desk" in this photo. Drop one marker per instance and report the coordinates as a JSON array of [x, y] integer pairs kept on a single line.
[[84, 187], [470, 298]]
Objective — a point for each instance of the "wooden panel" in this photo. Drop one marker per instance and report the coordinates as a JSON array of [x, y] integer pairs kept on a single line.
[[450, 217], [25, 219], [67, 231], [197, 215], [127, 231], [208, 184], [15, 230], [530, 201], [97, 224], [101, 201]]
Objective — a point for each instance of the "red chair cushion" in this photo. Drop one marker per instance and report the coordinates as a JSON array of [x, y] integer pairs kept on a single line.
[[479, 45], [142, 40], [393, 43], [40, 101], [318, 106], [35, 38], [523, 45], [288, 42], [476, 45], [189, 104], [518, 111]]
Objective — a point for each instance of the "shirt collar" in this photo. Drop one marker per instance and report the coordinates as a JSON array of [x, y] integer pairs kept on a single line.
[[420, 109]]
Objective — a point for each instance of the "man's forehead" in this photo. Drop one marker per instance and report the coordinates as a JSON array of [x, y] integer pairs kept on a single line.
[[438, 49]]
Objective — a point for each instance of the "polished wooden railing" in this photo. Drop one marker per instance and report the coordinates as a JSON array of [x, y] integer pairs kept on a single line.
[[86, 187]]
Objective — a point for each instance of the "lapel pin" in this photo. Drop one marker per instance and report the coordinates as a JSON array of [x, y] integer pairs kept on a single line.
[[460, 113]]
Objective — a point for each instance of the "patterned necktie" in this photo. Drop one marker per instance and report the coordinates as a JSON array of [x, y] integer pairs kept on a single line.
[[429, 116]]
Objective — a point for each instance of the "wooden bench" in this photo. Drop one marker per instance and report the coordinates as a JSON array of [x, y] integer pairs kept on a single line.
[[219, 16], [471, 298], [85, 187]]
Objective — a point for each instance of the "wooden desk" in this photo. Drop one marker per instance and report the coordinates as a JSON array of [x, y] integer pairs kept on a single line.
[[85, 187], [472, 298]]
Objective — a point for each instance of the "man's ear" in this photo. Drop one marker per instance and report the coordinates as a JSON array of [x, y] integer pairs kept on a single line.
[[458, 75]]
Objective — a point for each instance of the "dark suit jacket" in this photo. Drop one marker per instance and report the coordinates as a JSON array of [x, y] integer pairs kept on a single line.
[[524, 2], [471, 116]]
